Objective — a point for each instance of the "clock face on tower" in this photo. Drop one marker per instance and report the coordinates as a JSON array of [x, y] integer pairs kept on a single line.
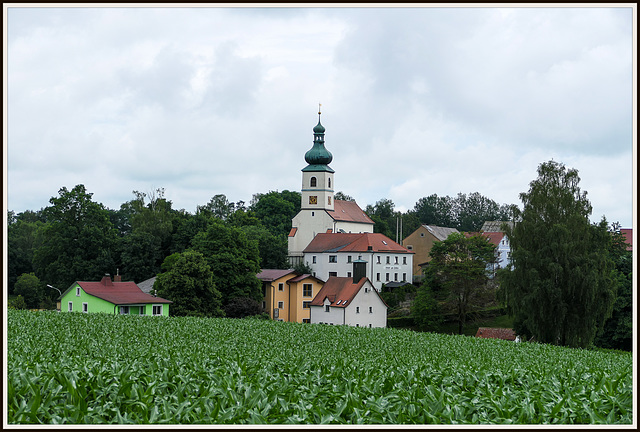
[[313, 199]]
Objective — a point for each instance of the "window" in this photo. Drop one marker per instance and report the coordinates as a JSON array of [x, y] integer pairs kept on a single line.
[[281, 286], [409, 247], [378, 261], [142, 310], [369, 325], [157, 310], [124, 310], [348, 274], [348, 258], [85, 307], [77, 291], [326, 308], [388, 260], [329, 182], [404, 277], [404, 260], [313, 259], [395, 277], [421, 234], [314, 182], [307, 290], [335, 274], [306, 320], [70, 307], [333, 258], [378, 277], [357, 309], [264, 305], [387, 277], [280, 305], [305, 304], [370, 309], [396, 260]]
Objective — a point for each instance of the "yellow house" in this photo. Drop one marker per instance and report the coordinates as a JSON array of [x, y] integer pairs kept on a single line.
[[287, 294], [421, 241]]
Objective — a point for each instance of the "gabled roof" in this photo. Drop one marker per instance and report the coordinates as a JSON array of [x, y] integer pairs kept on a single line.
[[494, 226], [340, 291], [303, 277], [147, 285], [348, 211], [494, 237], [496, 333], [269, 275], [441, 233], [118, 293], [360, 242]]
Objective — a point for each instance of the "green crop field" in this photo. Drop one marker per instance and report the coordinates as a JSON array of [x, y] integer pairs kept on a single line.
[[79, 368]]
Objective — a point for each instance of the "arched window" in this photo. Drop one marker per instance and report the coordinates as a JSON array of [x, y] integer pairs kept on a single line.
[[313, 182], [329, 180]]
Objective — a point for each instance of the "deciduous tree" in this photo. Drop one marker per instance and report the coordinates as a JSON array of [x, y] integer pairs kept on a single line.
[[559, 284]]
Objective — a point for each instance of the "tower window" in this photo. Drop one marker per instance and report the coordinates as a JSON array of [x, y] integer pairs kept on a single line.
[[314, 182], [329, 181]]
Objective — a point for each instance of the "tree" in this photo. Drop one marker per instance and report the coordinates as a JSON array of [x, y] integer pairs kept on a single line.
[[241, 307], [219, 207], [141, 255], [21, 244], [424, 310], [618, 330], [384, 216], [434, 210], [475, 209], [18, 303], [276, 209], [272, 249], [233, 259], [189, 285], [77, 242], [559, 285], [29, 287], [303, 268], [458, 274], [341, 196]]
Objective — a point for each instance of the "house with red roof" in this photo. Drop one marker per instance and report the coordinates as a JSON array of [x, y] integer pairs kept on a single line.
[[287, 294], [345, 301], [333, 254], [112, 297], [319, 211]]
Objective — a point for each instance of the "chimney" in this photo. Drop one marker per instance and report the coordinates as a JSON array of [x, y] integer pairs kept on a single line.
[[106, 280], [117, 277], [359, 270]]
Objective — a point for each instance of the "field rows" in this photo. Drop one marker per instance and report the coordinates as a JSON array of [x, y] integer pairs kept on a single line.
[[94, 368]]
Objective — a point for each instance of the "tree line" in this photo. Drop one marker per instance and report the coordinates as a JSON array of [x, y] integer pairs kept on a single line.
[[76, 238]]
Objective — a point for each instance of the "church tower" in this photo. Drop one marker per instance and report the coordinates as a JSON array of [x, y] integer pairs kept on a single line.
[[317, 177]]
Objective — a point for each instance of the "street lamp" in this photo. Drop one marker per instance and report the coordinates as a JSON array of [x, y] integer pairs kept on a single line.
[[55, 289]]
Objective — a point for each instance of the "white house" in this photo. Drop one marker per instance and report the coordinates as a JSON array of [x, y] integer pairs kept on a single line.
[[334, 254], [342, 301], [319, 212]]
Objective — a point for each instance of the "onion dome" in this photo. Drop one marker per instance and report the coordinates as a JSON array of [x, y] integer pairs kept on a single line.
[[318, 156]]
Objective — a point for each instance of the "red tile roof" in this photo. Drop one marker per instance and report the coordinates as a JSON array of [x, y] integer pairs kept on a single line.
[[303, 277], [496, 333], [628, 237], [119, 293], [293, 231], [343, 242], [338, 289], [269, 275], [348, 211]]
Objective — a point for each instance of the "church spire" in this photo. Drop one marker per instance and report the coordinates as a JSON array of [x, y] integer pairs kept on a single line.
[[318, 157]]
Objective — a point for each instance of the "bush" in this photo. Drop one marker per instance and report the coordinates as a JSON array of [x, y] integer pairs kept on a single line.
[[241, 307]]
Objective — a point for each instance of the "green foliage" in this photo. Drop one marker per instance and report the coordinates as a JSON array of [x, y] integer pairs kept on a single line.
[[242, 307], [384, 216], [21, 243], [141, 256], [458, 275], [28, 287], [425, 311], [189, 285], [18, 303], [272, 249], [559, 285], [233, 259], [303, 268], [113, 369], [77, 242], [275, 210]]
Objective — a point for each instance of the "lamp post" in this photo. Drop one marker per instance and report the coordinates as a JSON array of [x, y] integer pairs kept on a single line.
[[50, 286]]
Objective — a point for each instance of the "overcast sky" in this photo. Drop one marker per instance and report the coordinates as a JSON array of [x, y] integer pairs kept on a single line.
[[415, 101]]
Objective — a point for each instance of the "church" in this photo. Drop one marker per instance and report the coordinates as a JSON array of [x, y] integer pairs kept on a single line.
[[329, 235], [319, 212]]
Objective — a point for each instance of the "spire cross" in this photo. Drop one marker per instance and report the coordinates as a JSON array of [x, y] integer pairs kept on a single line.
[[319, 106]]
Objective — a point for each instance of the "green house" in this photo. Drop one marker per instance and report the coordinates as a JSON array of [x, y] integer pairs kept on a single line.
[[113, 297]]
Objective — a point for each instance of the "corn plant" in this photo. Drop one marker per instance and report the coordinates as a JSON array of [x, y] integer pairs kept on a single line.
[[74, 368]]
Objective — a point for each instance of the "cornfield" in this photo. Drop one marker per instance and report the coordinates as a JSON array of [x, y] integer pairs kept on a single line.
[[74, 368]]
